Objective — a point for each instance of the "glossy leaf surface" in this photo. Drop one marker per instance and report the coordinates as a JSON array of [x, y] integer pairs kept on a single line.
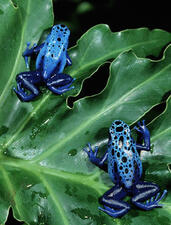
[[99, 45], [58, 182], [45, 176]]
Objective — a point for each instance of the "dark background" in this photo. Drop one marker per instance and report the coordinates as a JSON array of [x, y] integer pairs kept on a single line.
[[81, 15]]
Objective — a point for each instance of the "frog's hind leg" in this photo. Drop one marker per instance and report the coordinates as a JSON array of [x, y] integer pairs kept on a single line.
[[113, 204], [149, 192], [27, 80], [60, 83]]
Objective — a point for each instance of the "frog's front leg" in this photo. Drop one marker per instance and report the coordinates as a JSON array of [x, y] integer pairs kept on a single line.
[[100, 162], [68, 60], [149, 192], [60, 83], [144, 134], [27, 81], [112, 202], [29, 52]]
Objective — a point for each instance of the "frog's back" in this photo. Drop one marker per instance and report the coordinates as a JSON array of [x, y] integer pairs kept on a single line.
[[54, 49], [124, 164]]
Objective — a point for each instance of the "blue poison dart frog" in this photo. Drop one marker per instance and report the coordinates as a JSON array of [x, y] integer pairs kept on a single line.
[[51, 60], [125, 170]]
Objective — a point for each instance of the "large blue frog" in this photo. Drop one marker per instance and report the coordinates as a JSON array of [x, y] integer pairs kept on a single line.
[[125, 169], [51, 60]]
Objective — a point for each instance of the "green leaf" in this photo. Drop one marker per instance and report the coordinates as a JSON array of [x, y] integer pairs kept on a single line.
[[156, 163], [54, 181], [99, 45], [21, 22], [45, 176], [160, 129]]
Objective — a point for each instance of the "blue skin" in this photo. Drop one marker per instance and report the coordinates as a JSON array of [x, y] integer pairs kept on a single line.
[[125, 170], [51, 60]]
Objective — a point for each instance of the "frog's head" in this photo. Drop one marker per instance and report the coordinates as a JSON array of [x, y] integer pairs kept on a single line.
[[119, 127], [60, 31]]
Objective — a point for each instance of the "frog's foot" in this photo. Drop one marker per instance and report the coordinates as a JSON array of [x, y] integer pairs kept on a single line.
[[100, 162], [26, 90], [23, 96], [141, 127], [150, 193], [143, 134], [90, 152], [114, 213], [60, 83], [154, 201]]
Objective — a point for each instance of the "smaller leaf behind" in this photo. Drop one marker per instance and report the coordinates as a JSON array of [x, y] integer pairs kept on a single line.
[[99, 45]]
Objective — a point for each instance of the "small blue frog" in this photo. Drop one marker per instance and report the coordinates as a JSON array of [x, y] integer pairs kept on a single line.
[[125, 170], [51, 60]]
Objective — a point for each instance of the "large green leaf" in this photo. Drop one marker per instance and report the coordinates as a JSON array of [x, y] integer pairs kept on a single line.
[[45, 176], [54, 181]]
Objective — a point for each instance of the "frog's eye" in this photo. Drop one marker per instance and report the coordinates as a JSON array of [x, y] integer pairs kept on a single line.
[[62, 25]]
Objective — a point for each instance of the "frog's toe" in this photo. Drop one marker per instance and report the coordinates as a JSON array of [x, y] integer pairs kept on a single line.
[[96, 150], [154, 202], [15, 90], [162, 196], [85, 150], [20, 95], [89, 145], [136, 128], [72, 87], [143, 122]]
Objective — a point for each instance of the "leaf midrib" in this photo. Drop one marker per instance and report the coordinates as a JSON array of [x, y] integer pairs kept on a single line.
[[55, 200], [84, 179]]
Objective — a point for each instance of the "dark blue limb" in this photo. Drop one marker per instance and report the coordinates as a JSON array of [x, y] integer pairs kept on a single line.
[[69, 62], [148, 192], [112, 202], [28, 52], [60, 83], [23, 96], [27, 81], [100, 162], [144, 134]]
